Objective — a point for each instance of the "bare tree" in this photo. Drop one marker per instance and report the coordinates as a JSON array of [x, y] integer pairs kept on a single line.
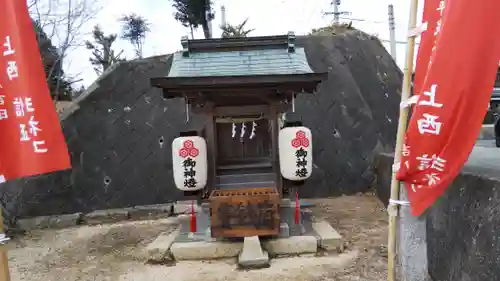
[[103, 56], [63, 23]]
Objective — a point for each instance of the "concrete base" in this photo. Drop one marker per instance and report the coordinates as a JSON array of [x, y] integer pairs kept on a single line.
[[202, 233], [202, 250], [288, 227], [58, 221], [107, 216], [252, 255], [304, 238], [291, 245], [249, 252], [151, 211], [284, 230], [328, 238], [158, 211], [159, 250]]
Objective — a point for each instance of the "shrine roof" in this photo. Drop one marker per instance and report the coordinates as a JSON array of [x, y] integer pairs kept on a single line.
[[229, 63], [235, 63]]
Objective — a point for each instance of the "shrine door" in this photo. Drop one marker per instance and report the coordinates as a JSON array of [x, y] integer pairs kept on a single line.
[[241, 146]]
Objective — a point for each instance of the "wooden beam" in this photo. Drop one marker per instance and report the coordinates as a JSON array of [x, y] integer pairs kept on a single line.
[[201, 110], [211, 137], [242, 110], [238, 43], [255, 81], [273, 117], [235, 92]]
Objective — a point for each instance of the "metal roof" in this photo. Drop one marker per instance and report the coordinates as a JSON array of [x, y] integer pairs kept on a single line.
[[239, 63]]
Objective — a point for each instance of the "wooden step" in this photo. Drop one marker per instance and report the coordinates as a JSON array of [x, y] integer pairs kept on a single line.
[[245, 185], [245, 178], [244, 166], [238, 181], [256, 170]]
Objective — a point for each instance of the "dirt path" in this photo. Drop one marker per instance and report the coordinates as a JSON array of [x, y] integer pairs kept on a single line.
[[362, 222], [116, 252]]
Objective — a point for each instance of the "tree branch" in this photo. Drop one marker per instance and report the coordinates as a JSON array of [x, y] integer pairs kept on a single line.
[[62, 22]]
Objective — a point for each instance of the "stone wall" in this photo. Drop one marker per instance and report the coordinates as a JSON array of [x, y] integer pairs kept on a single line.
[[119, 140], [354, 114], [119, 132], [463, 227]]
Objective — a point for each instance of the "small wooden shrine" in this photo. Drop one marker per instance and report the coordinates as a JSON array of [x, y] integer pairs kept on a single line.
[[245, 158]]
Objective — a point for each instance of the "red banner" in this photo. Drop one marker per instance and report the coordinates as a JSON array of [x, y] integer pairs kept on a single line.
[[31, 141], [431, 16], [448, 116]]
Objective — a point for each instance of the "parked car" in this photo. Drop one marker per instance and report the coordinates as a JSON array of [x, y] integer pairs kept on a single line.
[[495, 108]]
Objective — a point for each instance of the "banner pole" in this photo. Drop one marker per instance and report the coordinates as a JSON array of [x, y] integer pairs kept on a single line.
[[402, 123], [4, 261]]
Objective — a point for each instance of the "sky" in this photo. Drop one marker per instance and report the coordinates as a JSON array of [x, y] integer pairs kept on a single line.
[[267, 17]]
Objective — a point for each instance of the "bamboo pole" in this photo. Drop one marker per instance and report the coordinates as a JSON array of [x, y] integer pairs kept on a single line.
[[402, 123], [4, 261]]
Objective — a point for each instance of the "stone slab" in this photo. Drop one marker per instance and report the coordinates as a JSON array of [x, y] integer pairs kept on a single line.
[[202, 250], [328, 238], [57, 221], [202, 223], [107, 216], [159, 249], [287, 214], [151, 211], [284, 230], [252, 255], [285, 202], [292, 245]]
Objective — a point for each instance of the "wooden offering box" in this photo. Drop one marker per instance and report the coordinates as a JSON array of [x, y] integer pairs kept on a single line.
[[245, 212]]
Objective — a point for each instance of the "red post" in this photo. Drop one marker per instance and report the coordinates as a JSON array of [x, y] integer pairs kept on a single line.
[[192, 221]]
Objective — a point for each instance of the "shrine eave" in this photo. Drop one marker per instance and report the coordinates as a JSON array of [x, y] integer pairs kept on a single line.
[[178, 86]]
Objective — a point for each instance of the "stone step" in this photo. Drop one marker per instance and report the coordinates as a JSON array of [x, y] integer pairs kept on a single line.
[[245, 170], [247, 177], [202, 250], [328, 238], [292, 245], [158, 251], [245, 185], [252, 255], [243, 166]]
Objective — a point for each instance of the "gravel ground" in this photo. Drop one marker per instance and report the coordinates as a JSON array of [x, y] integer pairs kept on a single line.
[[116, 251]]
